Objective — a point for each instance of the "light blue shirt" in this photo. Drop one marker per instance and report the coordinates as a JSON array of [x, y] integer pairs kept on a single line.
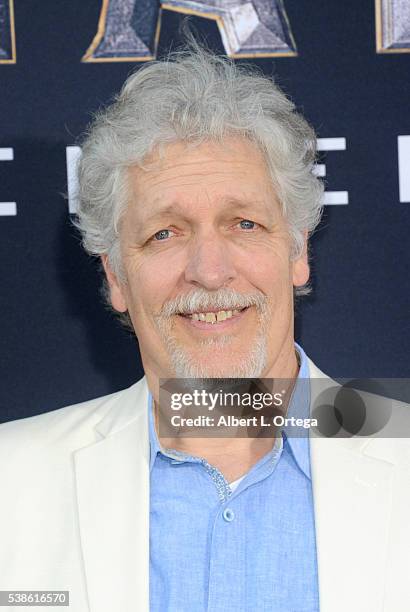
[[250, 550]]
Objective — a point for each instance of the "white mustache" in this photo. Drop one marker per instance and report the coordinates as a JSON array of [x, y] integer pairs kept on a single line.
[[222, 299]]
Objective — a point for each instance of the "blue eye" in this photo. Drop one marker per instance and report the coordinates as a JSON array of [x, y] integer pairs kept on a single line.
[[162, 234], [246, 224]]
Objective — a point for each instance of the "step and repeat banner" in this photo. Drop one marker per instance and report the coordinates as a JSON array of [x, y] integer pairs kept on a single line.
[[347, 67]]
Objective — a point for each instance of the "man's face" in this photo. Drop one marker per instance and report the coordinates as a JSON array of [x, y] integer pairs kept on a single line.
[[206, 259]]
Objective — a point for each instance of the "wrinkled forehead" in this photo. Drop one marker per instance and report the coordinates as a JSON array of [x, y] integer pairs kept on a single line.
[[233, 169], [230, 146]]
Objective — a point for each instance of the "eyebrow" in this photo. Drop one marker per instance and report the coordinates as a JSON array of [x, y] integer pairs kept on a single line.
[[229, 202]]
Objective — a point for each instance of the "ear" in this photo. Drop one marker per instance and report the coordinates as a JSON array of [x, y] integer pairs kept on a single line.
[[300, 266], [117, 296]]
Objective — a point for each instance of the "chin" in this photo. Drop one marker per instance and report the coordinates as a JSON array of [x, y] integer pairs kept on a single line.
[[220, 363]]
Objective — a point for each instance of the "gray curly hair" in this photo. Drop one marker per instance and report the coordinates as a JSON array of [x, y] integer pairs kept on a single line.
[[194, 95]]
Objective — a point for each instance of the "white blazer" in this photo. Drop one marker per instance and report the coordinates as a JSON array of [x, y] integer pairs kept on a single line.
[[74, 510]]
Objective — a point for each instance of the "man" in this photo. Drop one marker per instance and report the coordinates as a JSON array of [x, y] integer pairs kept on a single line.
[[198, 194]]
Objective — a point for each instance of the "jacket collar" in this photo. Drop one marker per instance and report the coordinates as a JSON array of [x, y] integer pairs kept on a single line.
[[112, 489], [352, 493]]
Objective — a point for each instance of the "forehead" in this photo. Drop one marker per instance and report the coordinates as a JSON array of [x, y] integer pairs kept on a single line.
[[235, 165]]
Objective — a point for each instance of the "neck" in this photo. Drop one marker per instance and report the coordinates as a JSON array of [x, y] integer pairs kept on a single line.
[[234, 457]]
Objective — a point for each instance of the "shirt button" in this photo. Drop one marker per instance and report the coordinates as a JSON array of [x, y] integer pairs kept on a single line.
[[228, 515]]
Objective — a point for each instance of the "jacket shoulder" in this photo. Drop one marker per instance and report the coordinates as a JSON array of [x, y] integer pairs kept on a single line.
[[384, 432], [64, 426]]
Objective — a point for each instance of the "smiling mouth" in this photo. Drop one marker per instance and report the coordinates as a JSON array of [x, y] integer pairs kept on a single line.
[[212, 317]]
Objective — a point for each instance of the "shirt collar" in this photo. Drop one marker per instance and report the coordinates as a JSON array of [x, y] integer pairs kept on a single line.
[[155, 446], [299, 407], [298, 438]]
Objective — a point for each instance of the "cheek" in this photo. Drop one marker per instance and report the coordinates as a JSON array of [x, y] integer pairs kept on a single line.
[[150, 284], [270, 273]]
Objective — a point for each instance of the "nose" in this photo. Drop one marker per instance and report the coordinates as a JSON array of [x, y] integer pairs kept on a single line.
[[210, 264]]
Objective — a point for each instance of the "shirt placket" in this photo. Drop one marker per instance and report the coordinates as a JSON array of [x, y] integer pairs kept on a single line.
[[227, 559], [226, 584]]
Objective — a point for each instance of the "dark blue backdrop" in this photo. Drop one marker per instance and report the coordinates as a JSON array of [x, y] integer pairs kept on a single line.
[[58, 343]]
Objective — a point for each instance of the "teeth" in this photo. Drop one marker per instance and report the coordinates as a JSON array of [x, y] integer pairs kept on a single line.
[[214, 317]]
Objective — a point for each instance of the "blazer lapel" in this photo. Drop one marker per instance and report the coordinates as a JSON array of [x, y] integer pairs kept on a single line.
[[112, 478], [352, 491]]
